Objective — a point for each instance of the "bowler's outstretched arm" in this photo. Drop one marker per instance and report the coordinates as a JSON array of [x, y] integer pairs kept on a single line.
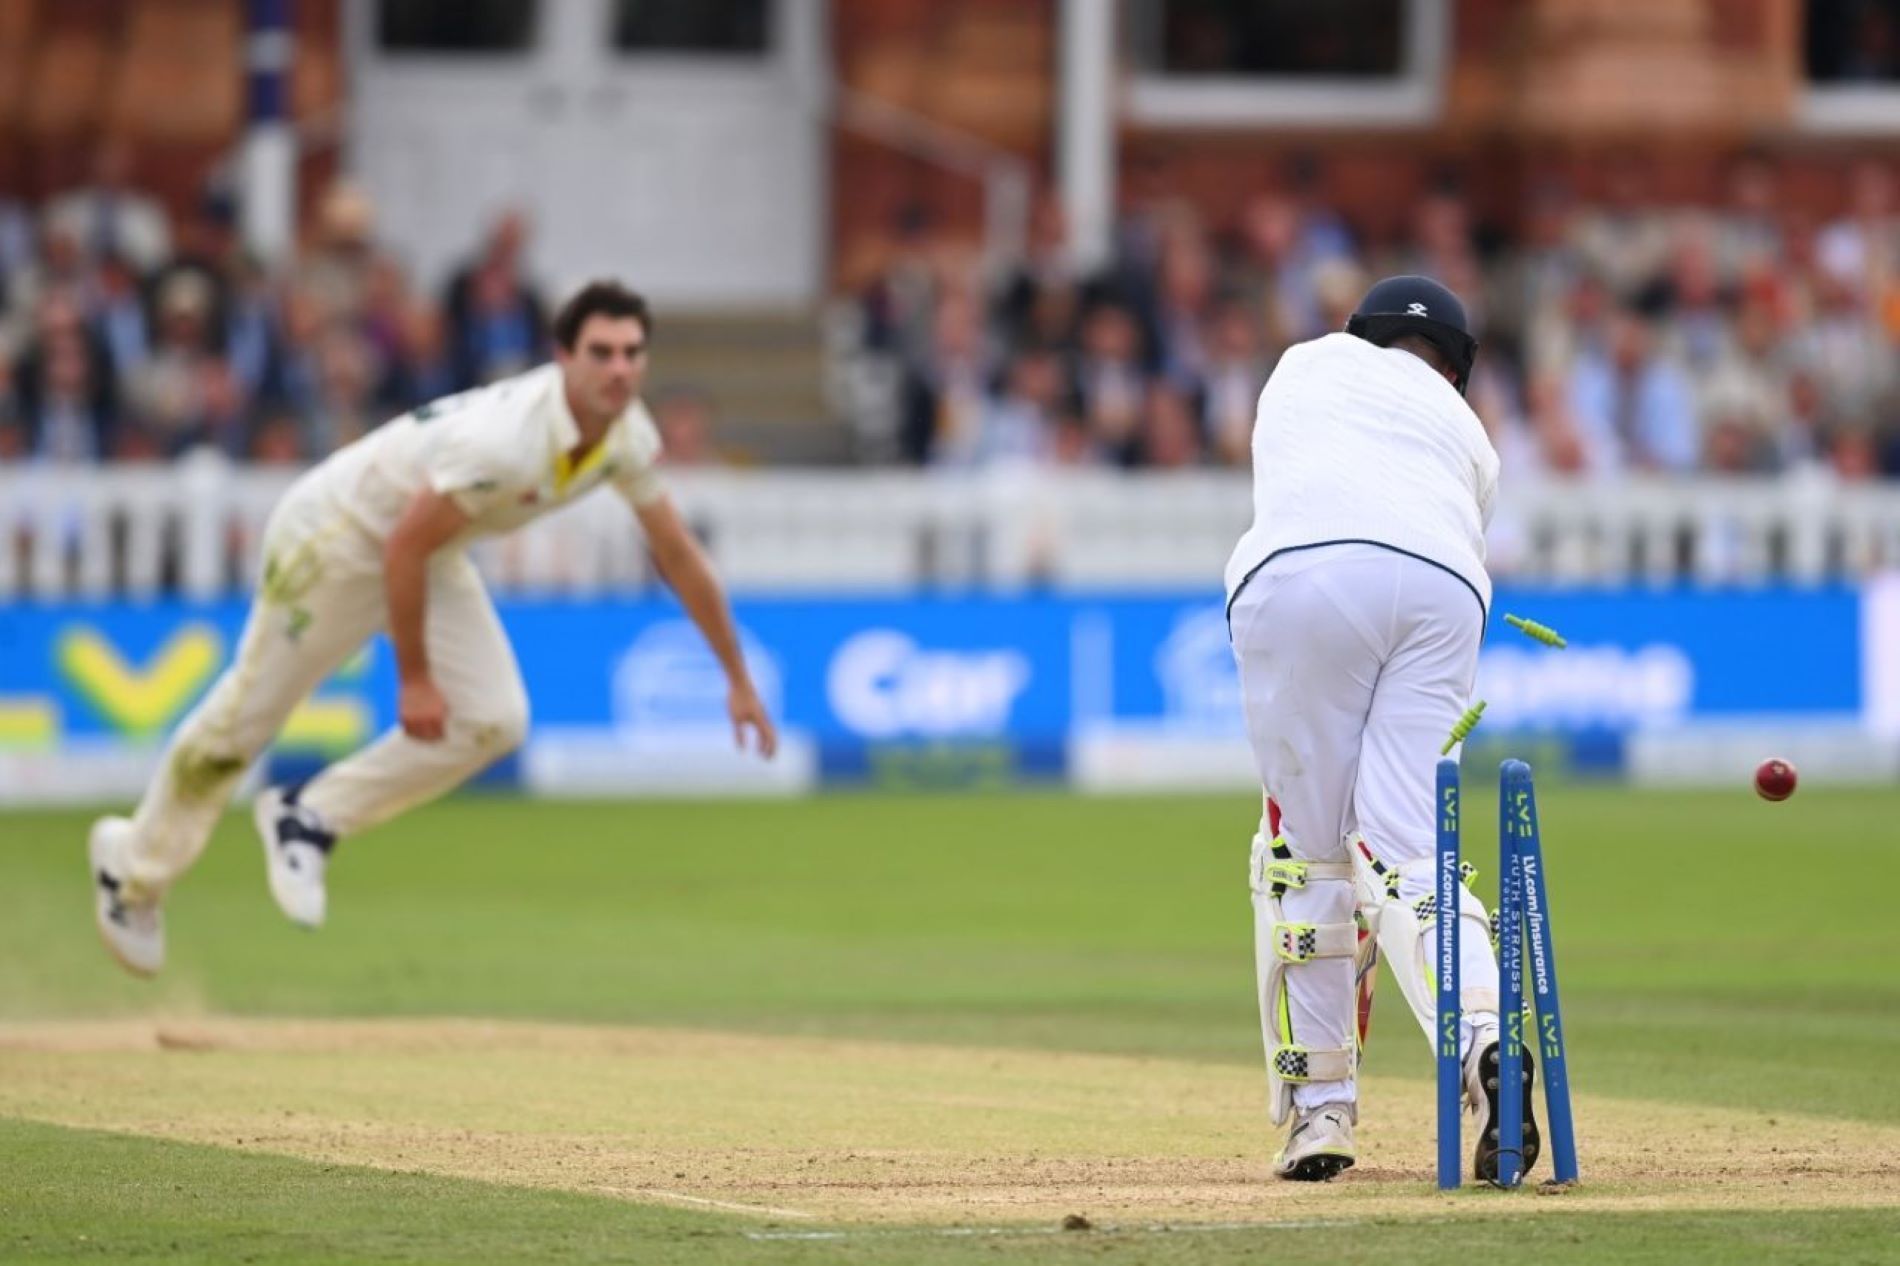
[[684, 566]]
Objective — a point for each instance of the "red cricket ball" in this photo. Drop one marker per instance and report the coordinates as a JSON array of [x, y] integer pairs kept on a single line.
[[1774, 779]]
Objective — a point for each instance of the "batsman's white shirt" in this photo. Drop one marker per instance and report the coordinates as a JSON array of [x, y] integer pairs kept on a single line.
[[1356, 605], [503, 453], [1355, 442]]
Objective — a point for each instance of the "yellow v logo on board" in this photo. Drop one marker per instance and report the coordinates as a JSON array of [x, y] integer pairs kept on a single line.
[[139, 700]]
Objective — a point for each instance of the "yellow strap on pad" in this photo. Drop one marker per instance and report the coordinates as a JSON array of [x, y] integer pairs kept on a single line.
[[1304, 942]]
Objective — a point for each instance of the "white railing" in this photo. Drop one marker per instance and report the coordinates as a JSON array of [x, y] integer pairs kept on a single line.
[[196, 528], [1006, 177]]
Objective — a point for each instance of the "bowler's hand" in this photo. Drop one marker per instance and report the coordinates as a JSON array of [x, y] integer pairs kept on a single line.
[[422, 709], [742, 704]]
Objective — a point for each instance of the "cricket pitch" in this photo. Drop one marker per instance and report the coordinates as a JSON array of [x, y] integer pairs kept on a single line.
[[806, 1131]]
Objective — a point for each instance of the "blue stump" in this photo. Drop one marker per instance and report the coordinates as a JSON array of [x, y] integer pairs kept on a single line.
[[1450, 1071]]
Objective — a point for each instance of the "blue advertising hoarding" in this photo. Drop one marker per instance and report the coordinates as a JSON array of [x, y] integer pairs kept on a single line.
[[945, 688]]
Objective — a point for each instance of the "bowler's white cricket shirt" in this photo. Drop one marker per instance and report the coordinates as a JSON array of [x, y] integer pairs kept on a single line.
[[1359, 443], [500, 451]]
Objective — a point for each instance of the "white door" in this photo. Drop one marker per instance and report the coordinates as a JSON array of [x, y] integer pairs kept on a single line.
[[682, 154]]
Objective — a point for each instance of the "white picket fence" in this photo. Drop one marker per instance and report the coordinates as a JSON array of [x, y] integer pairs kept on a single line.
[[195, 527]]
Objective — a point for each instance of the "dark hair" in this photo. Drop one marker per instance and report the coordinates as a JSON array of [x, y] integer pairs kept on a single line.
[[599, 298], [1425, 350]]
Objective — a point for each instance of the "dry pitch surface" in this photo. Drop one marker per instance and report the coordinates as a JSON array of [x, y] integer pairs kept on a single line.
[[807, 1131]]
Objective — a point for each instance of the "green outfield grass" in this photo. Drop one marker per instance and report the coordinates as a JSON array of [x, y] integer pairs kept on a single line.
[[1712, 953]]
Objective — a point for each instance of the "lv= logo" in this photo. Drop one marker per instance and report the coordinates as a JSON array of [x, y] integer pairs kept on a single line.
[[139, 699]]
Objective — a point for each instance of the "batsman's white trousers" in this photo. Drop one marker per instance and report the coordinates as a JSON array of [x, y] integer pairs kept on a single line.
[[1355, 662], [320, 599]]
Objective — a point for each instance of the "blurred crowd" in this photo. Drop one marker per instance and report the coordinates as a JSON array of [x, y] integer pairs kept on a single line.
[[128, 336], [1617, 335]]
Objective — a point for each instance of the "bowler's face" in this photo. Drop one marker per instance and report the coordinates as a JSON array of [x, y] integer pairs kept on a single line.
[[608, 365]]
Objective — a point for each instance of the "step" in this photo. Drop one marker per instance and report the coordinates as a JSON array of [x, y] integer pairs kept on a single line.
[[764, 372], [748, 330]]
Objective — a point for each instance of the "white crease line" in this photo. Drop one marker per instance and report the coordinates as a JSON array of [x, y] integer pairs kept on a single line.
[[969, 1232], [658, 1193]]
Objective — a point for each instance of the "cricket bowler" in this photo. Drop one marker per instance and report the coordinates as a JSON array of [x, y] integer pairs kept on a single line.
[[374, 539], [1356, 603]]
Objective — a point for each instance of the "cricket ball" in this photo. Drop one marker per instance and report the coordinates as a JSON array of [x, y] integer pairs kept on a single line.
[[1774, 779]]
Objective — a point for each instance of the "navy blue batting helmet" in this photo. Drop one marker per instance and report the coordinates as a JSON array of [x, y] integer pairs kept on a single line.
[[1417, 305]]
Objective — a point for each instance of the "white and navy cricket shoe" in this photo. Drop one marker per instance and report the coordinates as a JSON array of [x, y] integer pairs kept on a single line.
[[296, 851], [1319, 1147], [1482, 1091], [130, 922]]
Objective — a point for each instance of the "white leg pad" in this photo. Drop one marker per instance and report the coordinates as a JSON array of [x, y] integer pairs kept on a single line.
[[1405, 929], [1281, 945]]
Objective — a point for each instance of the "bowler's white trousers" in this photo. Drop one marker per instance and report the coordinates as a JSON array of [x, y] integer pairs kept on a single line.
[[321, 597], [1355, 663]]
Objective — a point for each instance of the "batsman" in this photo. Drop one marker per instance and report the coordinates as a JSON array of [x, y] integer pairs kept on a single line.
[[1356, 603]]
